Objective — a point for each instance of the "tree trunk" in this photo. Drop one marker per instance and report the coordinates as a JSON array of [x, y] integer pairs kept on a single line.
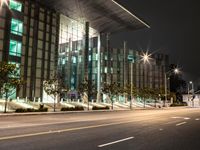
[[6, 102], [54, 104], [112, 102]]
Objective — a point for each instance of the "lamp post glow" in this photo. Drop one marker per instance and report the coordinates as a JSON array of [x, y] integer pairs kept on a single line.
[[146, 57]]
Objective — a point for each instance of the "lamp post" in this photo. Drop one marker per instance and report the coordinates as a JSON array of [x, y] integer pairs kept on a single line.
[[145, 59], [192, 93], [131, 83], [176, 71], [131, 59]]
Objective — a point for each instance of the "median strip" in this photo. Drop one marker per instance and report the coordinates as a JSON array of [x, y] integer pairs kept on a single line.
[[114, 142], [179, 124]]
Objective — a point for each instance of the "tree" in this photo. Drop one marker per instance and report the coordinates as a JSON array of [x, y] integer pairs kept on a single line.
[[54, 87], [127, 91], [84, 88], [112, 89], [9, 80]]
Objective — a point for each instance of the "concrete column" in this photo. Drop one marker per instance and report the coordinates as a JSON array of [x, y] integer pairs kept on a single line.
[[99, 68]]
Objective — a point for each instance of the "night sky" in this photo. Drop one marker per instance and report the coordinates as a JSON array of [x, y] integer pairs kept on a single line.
[[175, 30]]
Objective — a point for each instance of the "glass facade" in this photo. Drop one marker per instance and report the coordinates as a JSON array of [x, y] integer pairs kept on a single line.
[[15, 48], [16, 27], [71, 50], [15, 5]]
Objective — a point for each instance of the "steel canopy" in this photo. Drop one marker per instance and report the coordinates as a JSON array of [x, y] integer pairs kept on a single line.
[[106, 16]]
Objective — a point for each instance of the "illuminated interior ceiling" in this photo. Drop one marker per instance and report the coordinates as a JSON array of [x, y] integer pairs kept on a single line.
[[103, 15]]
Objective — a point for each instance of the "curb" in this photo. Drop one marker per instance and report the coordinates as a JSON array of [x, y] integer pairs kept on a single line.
[[86, 111], [56, 113]]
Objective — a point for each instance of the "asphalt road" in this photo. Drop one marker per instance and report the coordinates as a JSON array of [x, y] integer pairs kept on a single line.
[[168, 129]]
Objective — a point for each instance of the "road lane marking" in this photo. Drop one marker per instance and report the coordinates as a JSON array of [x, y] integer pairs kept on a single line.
[[114, 142], [185, 118], [197, 119], [62, 130], [179, 124], [161, 129], [175, 117]]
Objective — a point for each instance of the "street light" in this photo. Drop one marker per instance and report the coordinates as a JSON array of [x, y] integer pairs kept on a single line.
[[192, 92], [146, 57], [131, 59], [176, 71]]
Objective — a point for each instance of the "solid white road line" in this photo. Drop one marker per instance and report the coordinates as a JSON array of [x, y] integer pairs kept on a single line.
[[63, 130], [118, 141], [186, 118], [179, 124]]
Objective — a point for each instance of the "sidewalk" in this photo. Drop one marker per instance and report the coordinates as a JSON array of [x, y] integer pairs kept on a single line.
[[85, 111]]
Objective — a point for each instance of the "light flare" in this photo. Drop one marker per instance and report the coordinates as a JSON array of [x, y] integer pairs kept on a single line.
[[146, 57]]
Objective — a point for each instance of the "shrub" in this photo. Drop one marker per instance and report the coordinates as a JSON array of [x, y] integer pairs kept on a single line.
[[100, 108], [79, 108], [44, 109], [72, 108], [23, 110], [178, 104], [19, 110], [67, 109]]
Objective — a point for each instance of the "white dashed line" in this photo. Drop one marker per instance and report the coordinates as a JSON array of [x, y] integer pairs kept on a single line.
[[118, 141], [197, 119], [179, 124]]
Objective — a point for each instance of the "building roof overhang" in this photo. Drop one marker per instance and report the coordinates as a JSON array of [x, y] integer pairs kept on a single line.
[[106, 16]]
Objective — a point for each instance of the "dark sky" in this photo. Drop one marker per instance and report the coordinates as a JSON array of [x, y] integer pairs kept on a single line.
[[175, 30]]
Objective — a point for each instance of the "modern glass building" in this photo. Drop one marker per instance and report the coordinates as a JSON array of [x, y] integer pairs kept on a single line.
[[47, 37]]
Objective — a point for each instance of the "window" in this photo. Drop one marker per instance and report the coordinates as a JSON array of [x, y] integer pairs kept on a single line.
[[15, 48], [73, 59], [16, 27], [15, 5]]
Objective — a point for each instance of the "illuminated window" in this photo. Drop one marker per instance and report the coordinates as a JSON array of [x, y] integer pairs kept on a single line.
[[16, 27], [73, 59], [15, 5], [90, 58], [63, 61], [15, 48], [106, 70]]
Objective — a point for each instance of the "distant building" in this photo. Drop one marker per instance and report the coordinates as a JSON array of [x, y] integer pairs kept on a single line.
[[115, 67]]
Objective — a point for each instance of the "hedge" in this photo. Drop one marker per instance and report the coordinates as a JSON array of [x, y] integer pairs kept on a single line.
[[100, 108], [77, 108], [24, 110]]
